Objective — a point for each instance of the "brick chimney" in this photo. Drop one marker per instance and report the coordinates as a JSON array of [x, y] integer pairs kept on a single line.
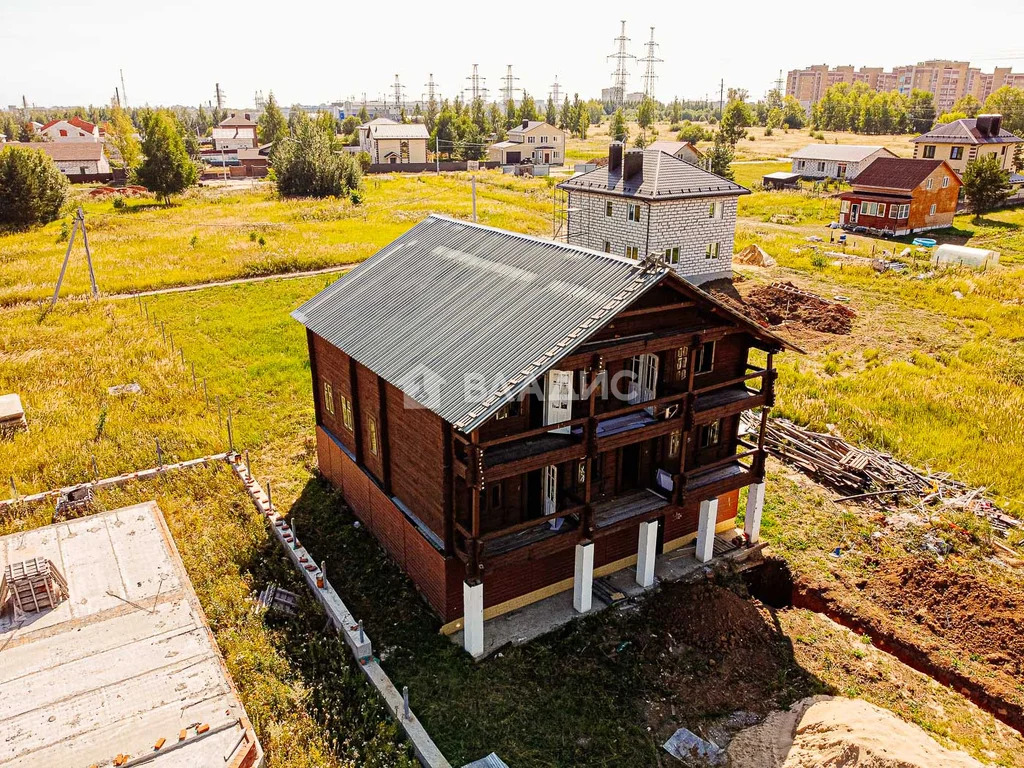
[[989, 125], [615, 157], [633, 164], [526, 123]]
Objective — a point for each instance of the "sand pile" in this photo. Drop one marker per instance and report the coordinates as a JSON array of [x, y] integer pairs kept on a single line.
[[830, 731], [785, 303], [755, 256]]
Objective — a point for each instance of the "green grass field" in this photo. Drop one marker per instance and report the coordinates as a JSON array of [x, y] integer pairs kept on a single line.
[[933, 378]]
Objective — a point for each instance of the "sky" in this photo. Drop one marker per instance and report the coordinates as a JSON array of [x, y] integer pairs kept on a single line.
[[317, 51]]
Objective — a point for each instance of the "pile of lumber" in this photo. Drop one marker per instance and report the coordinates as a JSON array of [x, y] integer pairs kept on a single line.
[[865, 474]]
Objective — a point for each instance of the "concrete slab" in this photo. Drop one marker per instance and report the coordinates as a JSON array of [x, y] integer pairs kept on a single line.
[[127, 660], [10, 408], [537, 619]]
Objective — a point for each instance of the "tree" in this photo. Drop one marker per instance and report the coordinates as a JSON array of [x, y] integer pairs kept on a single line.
[[582, 123], [551, 113], [950, 117], [793, 113], [167, 169], [645, 114], [430, 118], [1018, 158], [1008, 102], [497, 118], [528, 108], [364, 116], [921, 108], [986, 184], [32, 189], [675, 112], [565, 117], [122, 137], [272, 125], [511, 114], [691, 132], [618, 129], [735, 120], [720, 156], [308, 165], [968, 105], [350, 125]]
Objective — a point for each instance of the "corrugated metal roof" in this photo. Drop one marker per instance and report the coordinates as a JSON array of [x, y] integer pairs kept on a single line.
[[964, 131], [844, 153], [663, 177], [450, 299], [399, 131]]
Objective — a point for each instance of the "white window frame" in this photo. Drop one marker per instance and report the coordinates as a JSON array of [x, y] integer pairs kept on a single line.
[[644, 386], [633, 212], [632, 252], [715, 209], [928, 184], [699, 363], [931, 211], [672, 255], [712, 251], [945, 181], [557, 399], [844, 207], [711, 434], [549, 483]]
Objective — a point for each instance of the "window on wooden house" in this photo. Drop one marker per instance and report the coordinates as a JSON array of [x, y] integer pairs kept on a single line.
[[346, 414], [821, 167], [931, 211], [705, 358], [511, 408], [633, 212], [494, 496], [675, 441], [929, 151], [680, 363], [374, 437], [928, 184], [945, 181], [844, 207], [710, 434], [581, 473], [328, 398]]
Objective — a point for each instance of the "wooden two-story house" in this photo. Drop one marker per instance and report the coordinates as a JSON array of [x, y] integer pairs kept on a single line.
[[512, 417]]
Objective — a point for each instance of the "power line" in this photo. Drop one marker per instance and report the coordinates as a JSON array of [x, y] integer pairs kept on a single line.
[[650, 60], [621, 74]]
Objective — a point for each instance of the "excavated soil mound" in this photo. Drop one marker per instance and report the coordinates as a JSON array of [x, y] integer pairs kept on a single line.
[[833, 732], [716, 620], [785, 303], [975, 616]]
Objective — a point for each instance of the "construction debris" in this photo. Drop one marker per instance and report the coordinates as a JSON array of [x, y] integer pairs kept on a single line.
[[72, 501], [755, 256], [33, 585], [274, 598], [863, 474], [692, 749], [785, 303], [12, 415]]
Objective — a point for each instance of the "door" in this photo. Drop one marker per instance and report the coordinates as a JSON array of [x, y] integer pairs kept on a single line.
[[547, 158], [549, 489], [854, 210], [557, 399], [841, 170], [645, 378]]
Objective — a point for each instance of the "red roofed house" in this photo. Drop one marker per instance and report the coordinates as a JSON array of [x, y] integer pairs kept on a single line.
[[898, 196], [72, 129]]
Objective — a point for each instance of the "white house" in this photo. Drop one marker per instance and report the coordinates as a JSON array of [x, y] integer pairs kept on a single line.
[[72, 158], [835, 161], [394, 143], [647, 201], [236, 132], [684, 150], [72, 129], [532, 140]]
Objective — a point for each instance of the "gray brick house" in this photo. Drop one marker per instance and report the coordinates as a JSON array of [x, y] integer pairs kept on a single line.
[[648, 201]]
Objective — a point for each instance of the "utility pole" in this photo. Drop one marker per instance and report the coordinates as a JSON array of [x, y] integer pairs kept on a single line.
[[621, 75], [650, 60], [508, 86], [476, 89], [124, 91], [556, 93]]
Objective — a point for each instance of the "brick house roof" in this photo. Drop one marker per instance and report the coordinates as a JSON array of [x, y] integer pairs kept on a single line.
[[65, 151], [898, 173]]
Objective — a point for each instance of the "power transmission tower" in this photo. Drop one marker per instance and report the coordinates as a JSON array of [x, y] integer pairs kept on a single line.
[[431, 88], [556, 93], [621, 74], [260, 101], [220, 98], [476, 89], [721, 98], [508, 86], [650, 60], [399, 101], [124, 91], [778, 83]]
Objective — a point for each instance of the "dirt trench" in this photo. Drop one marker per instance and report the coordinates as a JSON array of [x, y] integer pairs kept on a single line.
[[957, 615]]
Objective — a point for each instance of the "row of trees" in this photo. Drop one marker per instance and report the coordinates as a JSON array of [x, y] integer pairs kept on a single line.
[[860, 109]]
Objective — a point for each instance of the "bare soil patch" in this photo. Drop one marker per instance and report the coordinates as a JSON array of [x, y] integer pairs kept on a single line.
[[784, 303]]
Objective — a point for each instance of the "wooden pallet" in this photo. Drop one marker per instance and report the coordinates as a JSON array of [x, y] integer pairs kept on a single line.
[[34, 585]]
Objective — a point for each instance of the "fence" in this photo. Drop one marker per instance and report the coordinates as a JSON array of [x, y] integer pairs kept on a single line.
[[446, 166]]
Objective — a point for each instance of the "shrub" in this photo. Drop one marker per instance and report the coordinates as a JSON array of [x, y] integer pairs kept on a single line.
[[32, 190], [118, 202]]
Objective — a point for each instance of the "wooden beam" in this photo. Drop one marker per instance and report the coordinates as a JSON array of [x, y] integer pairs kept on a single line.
[[653, 310]]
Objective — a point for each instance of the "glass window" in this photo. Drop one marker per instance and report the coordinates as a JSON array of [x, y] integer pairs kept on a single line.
[[845, 206], [346, 413], [633, 212], [928, 184], [632, 252], [672, 255], [675, 440], [328, 398], [608, 208], [715, 209], [955, 153], [711, 252], [931, 212], [374, 442], [710, 434], [607, 246], [705, 357], [508, 409], [881, 210], [929, 151], [945, 181]]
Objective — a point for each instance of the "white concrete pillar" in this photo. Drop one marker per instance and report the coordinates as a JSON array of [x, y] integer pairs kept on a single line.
[[646, 551], [473, 618], [707, 519], [583, 581], [755, 506]]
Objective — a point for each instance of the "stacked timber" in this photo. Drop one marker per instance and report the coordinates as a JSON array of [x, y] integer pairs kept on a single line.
[[34, 585]]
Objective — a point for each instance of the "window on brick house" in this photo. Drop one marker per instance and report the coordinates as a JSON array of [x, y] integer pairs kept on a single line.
[[608, 208], [328, 398], [607, 246], [633, 212], [711, 252], [346, 414], [672, 255], [956, 153], [929, 151], [931, 211], [632, 252], [374, 439], [710, 434], [715, 210]]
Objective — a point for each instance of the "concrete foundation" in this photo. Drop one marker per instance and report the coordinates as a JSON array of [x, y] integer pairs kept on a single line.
[[473, 619], [707, 517], [583, 580], [646, 553], [755, 507]]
